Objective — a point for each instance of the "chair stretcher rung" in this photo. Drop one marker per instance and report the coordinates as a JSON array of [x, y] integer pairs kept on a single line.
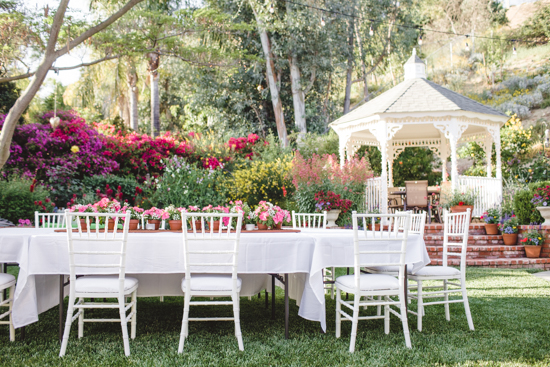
[[101, 320], [443, 302], [5, 314], [211, 319], [6, 301]]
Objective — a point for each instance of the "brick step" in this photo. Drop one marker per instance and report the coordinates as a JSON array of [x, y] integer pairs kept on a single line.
[[437, 229], [478, 240], [517, 263], [480, 252]]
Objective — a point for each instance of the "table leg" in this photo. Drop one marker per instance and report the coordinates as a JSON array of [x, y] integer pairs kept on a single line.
[[4, 270], [347, 273], [61, 297], [286, 306], [266, 299], [273, 297]]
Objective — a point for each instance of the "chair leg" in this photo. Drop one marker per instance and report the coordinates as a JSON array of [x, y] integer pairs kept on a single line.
[[354, 323], [332, 278], [338, 309], [10, 308], [81, 320], [124, 324], [236, 315], [134, 315], [446, 296], [184, 322], [466, 304], [379, 308], [68, 323], [161, 298], [387, 314], [420, 308], [404, 320]]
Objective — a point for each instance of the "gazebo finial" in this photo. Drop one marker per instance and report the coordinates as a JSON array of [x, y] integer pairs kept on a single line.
[[414, 67]]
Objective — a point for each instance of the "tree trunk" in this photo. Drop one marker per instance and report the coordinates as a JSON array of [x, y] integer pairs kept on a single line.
[[363, 67], [297, 96], [154, 61], [25, 99], [271, 79], [347, 99], [133, 92]]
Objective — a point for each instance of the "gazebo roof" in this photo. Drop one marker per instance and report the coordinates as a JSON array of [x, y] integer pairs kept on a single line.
[[417, 95]]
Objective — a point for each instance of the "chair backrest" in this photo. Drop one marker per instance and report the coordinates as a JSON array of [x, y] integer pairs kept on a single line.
[[389, 242], [417, 193], [211, 250], [396, 198], [418, 223], [456, 228], [100, 249], [50, 220], [309, 220]]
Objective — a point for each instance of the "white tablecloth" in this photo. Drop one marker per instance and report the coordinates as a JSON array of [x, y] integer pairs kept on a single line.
[[156, 259]]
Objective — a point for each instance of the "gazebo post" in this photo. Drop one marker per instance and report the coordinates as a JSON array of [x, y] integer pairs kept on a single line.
[[444, 155], [454, 167], [390, 166], [488, 150]]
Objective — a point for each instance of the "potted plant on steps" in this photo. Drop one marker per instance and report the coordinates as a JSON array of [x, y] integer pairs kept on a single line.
[[532, 241], [135, 216], [491, 218], [174, 219], [509, 227], [541, 199], [333, 204], [459, 201]]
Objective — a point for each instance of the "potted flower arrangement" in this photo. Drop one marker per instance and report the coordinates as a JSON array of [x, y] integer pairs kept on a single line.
[[491, 218], [541, 199], [333, 204], [239, 207], [155, 215], [270, 216], [83, 208], [532, 242], [459, 201], [174, 217], [194, 209], [509, 226], [376, 220], [135, 216], [250, 219], [216, 209]]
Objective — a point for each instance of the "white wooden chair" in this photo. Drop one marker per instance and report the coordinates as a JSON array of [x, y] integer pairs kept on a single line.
[[389, 244], [456, 227], [104, 251], [319, 221], [7, 281], [217, 251], [50, 220]]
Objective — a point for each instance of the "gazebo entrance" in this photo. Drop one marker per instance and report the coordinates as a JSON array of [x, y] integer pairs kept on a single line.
[[420, 113]]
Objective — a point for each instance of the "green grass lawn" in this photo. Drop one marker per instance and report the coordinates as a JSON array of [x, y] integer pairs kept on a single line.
[[510, 309]]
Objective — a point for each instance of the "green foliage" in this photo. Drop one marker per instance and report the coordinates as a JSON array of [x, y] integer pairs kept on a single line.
[[8, 95], [17, 200], [318, 144], [129, 186], [184, 184], [524, 209], [537, 27]]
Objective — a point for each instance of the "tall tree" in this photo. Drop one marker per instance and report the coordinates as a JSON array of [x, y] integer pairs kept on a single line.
[[50, 55]]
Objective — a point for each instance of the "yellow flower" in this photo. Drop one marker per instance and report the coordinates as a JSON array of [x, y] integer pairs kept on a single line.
[[529, 169], [75, 149], [540, 238]]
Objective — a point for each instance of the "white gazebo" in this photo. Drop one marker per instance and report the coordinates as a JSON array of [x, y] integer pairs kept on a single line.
[[420, 113]]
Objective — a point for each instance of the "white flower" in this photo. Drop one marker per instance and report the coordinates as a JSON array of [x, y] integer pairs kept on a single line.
[[185, 192]]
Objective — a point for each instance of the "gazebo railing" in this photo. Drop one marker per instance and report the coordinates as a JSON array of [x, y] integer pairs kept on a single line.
[[372, 195], [488, 192]]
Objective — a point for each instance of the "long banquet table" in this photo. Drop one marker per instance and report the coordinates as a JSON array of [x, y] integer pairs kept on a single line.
[[156, 259]]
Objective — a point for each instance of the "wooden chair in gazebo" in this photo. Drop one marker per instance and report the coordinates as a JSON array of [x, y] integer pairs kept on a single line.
[[417, 197]]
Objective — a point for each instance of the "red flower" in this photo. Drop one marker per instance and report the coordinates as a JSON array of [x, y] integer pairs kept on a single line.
[[40, 202], [523, 240], [460, 203], [284, 192]]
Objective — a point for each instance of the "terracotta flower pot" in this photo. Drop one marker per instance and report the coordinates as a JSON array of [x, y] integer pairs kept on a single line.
[[198, 225], [216, 225], [262, 227], [532, 251], [376, 227], [510, 239], [111, 225], [156, 222], [133, 224], [278, 226], [175, 225], [83, 225], [491, 228], [462, 209]]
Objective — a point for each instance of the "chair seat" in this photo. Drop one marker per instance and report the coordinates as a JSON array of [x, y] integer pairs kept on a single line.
[[368, 282], [104, 284], [437, 271], [6, 280], [212, 282]]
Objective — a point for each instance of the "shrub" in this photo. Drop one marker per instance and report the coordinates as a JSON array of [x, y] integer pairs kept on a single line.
[[524, 208], [261, 181], [109, 184], [184, 184], [18, 202]]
